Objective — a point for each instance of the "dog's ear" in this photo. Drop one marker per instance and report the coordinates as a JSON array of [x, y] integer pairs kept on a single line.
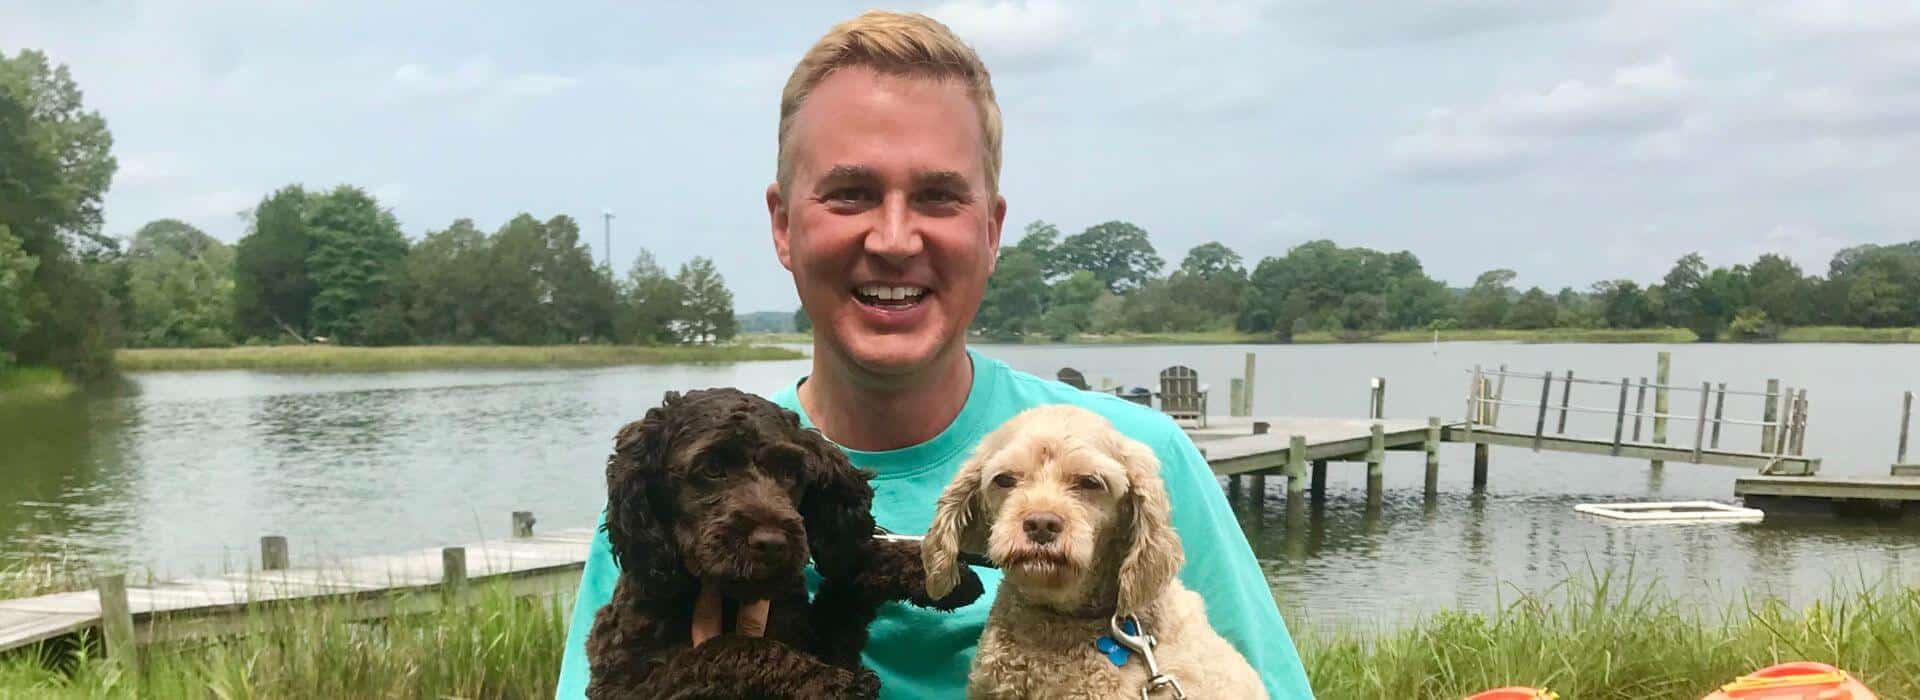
[[1153, 554], [636, 475], [836, 505], [959, 522]]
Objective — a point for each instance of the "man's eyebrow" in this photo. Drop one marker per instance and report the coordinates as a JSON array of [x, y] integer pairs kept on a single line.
[[951, 179], [845, 172]]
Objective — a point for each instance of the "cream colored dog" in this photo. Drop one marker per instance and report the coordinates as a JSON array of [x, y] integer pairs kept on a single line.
[[1075, 515]]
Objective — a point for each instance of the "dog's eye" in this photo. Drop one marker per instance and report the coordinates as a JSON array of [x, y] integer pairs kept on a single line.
[[1088, 482], [710, 471], [1005, 481]]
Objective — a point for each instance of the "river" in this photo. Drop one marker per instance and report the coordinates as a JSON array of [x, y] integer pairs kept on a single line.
[[182, 475]]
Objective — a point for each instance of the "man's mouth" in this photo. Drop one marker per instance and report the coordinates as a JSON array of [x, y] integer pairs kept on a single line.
[[891, 297]]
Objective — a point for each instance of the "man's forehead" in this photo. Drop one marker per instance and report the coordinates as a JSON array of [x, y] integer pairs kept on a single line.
[[860, 124]]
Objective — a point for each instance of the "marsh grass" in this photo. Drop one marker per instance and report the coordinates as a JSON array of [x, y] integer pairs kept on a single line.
[[33, 383], [421, 357], [1849, 334]]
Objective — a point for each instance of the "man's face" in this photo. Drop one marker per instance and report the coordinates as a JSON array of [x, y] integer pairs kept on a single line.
[[886, 223]]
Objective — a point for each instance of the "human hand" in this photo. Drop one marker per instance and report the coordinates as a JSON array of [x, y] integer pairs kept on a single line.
[[750, 620]]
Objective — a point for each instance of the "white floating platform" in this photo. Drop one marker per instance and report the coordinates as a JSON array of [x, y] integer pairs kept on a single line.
[[1672, 512]]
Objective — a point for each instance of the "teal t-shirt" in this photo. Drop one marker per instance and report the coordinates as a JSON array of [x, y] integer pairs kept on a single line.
[[922, 653]]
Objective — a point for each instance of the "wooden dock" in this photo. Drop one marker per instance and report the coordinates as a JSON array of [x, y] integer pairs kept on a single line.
[[1790, 465], [1895, 493], [418, 581]]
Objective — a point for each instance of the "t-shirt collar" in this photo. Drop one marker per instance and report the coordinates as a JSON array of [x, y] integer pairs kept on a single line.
[[961, 434]]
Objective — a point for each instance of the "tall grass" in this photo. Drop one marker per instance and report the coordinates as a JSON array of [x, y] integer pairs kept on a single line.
[[33, 383], [337, 358], [1849, 334], [1607, 637]]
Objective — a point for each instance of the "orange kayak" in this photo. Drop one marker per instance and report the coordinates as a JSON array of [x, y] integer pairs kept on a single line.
[[1800, 680], [1515, 693]]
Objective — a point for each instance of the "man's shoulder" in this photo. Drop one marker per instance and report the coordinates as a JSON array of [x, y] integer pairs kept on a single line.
[[1131, 419]]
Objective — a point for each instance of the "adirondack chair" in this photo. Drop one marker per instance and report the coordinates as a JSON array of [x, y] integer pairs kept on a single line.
[[1073, 378], [1182, 395]]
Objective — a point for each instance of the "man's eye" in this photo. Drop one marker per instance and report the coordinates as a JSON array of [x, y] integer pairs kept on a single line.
[[938, 197], [849, 196], [1005, 481], [1089, 483]]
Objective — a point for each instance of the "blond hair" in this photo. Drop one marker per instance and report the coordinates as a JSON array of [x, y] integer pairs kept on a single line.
[[896, 44]]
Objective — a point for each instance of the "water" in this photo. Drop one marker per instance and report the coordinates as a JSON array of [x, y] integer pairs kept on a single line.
[[183, 476]]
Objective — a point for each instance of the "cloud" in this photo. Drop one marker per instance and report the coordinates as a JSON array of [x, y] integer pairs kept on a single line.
[[148, 168], [1365, 24], [476, 78], [1808, 246], [1509, 131], [1019, 33]]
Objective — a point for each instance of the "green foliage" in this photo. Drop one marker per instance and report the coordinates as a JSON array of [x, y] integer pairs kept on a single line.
[[1116, 252], [802, 323], [707, 316], [1042, 239], [448, 270], [358, 259], [180, 287], [54, 173], [1488, 302], [272, 291], [1621, 304], [1016, 295], [654, 304], [1535, 310]]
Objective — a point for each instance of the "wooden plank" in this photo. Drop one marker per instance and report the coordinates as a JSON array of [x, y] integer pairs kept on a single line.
[[1566, 396], [1788, 465], [1719, 412], [1700, 424], [1888, 488], [1620, 418], [19, 628], [1540, 425]]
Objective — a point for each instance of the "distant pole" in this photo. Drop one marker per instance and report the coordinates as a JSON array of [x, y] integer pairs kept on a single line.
[[606, 233]]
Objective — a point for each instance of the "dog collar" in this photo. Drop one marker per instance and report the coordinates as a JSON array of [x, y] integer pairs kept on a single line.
[[1112, 648]]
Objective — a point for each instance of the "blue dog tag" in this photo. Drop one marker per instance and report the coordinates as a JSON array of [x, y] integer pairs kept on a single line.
[[1116, 652]]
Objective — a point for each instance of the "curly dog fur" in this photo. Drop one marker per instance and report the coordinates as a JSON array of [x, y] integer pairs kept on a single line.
[[1076, 516], [722, 488]]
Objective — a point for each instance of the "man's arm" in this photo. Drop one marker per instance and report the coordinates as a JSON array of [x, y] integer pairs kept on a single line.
[[596, 588], [1221, 568]]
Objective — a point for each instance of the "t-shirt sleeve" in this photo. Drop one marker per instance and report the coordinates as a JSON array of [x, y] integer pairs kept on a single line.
[[1222, 569], [596, 588]]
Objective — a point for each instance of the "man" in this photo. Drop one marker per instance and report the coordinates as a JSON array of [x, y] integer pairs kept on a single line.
[[886, 209]]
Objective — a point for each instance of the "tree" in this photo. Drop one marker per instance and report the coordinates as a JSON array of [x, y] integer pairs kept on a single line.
[[180, 287], [1621, 304], [1070, 305], [653, 304], [709, 306], [1016, 295], [802, 323], [1535, 310], [1416, 301], [1780, 290], [16, 273], [449, 273], [1042, 240], [272, 291], [582, 296], [357, 267], [55, 166], [1212, 280], [1486, 303], [1116, 252]]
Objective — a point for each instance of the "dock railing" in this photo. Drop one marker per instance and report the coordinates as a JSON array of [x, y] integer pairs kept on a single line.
[[1782, 424]]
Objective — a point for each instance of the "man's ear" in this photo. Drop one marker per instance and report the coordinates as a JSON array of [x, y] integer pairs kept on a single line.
[[995, 224], [777, 219]]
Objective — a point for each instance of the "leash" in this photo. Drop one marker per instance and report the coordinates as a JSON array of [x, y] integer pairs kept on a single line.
[[1127, 631]]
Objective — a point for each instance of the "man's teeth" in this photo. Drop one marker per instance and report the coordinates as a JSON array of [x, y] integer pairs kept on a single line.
[[892, 293]]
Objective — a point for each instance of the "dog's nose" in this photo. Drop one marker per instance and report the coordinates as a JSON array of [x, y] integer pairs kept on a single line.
[[1042, 528], [767, 542]]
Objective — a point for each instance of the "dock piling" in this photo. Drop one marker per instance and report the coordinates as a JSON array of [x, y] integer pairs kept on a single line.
[[273, 553], [1639, 407], [1246, 395], [1499, 394], [1663, 364], [1432, 447], [1296, 465], [1376, 459], [1377, 398], [1481, 455], [1906, 418], [1700, 424], [1769, 415], [1566, 396], [1719, 411], [523, 523], [116, 621], [1237, 393], [453, 569], [1319, 486], [1540, 424], [1620, 418]]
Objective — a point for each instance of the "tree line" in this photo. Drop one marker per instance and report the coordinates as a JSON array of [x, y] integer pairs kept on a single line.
[[314, 265], [1106, 279]]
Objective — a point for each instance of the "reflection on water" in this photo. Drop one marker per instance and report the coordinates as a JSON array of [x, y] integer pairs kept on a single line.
[[184, 475]]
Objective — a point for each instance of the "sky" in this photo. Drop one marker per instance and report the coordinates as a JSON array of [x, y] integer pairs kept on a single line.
[[1569, 140]]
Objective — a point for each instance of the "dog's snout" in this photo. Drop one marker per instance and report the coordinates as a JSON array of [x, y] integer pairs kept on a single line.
[[767, 542], [1042, 528]]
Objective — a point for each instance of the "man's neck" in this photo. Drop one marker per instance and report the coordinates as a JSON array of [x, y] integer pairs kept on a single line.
[[860, 411]]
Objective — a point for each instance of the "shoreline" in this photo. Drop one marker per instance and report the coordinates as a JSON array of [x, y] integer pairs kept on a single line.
[[1802, 334], [34, 384], [333, 358]]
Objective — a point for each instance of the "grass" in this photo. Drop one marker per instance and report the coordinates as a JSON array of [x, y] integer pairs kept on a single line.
[[1544, 335], [358, 359], [1849, 334], [33, 383], [1601, 637]]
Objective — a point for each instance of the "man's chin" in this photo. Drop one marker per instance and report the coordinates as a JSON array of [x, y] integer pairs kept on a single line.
[[892, 353]]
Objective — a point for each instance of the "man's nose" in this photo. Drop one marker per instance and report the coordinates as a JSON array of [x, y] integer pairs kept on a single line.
[[896, 236]]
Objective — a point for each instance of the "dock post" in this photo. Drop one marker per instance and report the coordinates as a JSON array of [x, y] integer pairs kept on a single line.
[[1769, 414], [1540, 424], [1376, 458], [1234, 488], [116, 622], [1639, 408], [523, 523], [1296, 465], [1480, 459], [273, 553], [1566, 395], [1236, 394], [1258, 489], [1246, 395], [1662, 370], [1474, 408], [1906, 417], [1620, 418], [1319, 486], [1800, 423], [1499, 394], [453, 569], [1700, 424], [1719, 412], [1432, 447], [1377, 398]]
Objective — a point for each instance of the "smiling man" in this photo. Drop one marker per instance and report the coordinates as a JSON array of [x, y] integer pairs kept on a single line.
[[886, 209]]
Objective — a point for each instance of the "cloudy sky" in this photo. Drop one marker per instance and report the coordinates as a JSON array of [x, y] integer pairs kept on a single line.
[[1571, 140]]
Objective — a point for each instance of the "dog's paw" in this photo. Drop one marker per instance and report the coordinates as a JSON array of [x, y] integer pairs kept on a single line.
[[965, 591], [866, 685]]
